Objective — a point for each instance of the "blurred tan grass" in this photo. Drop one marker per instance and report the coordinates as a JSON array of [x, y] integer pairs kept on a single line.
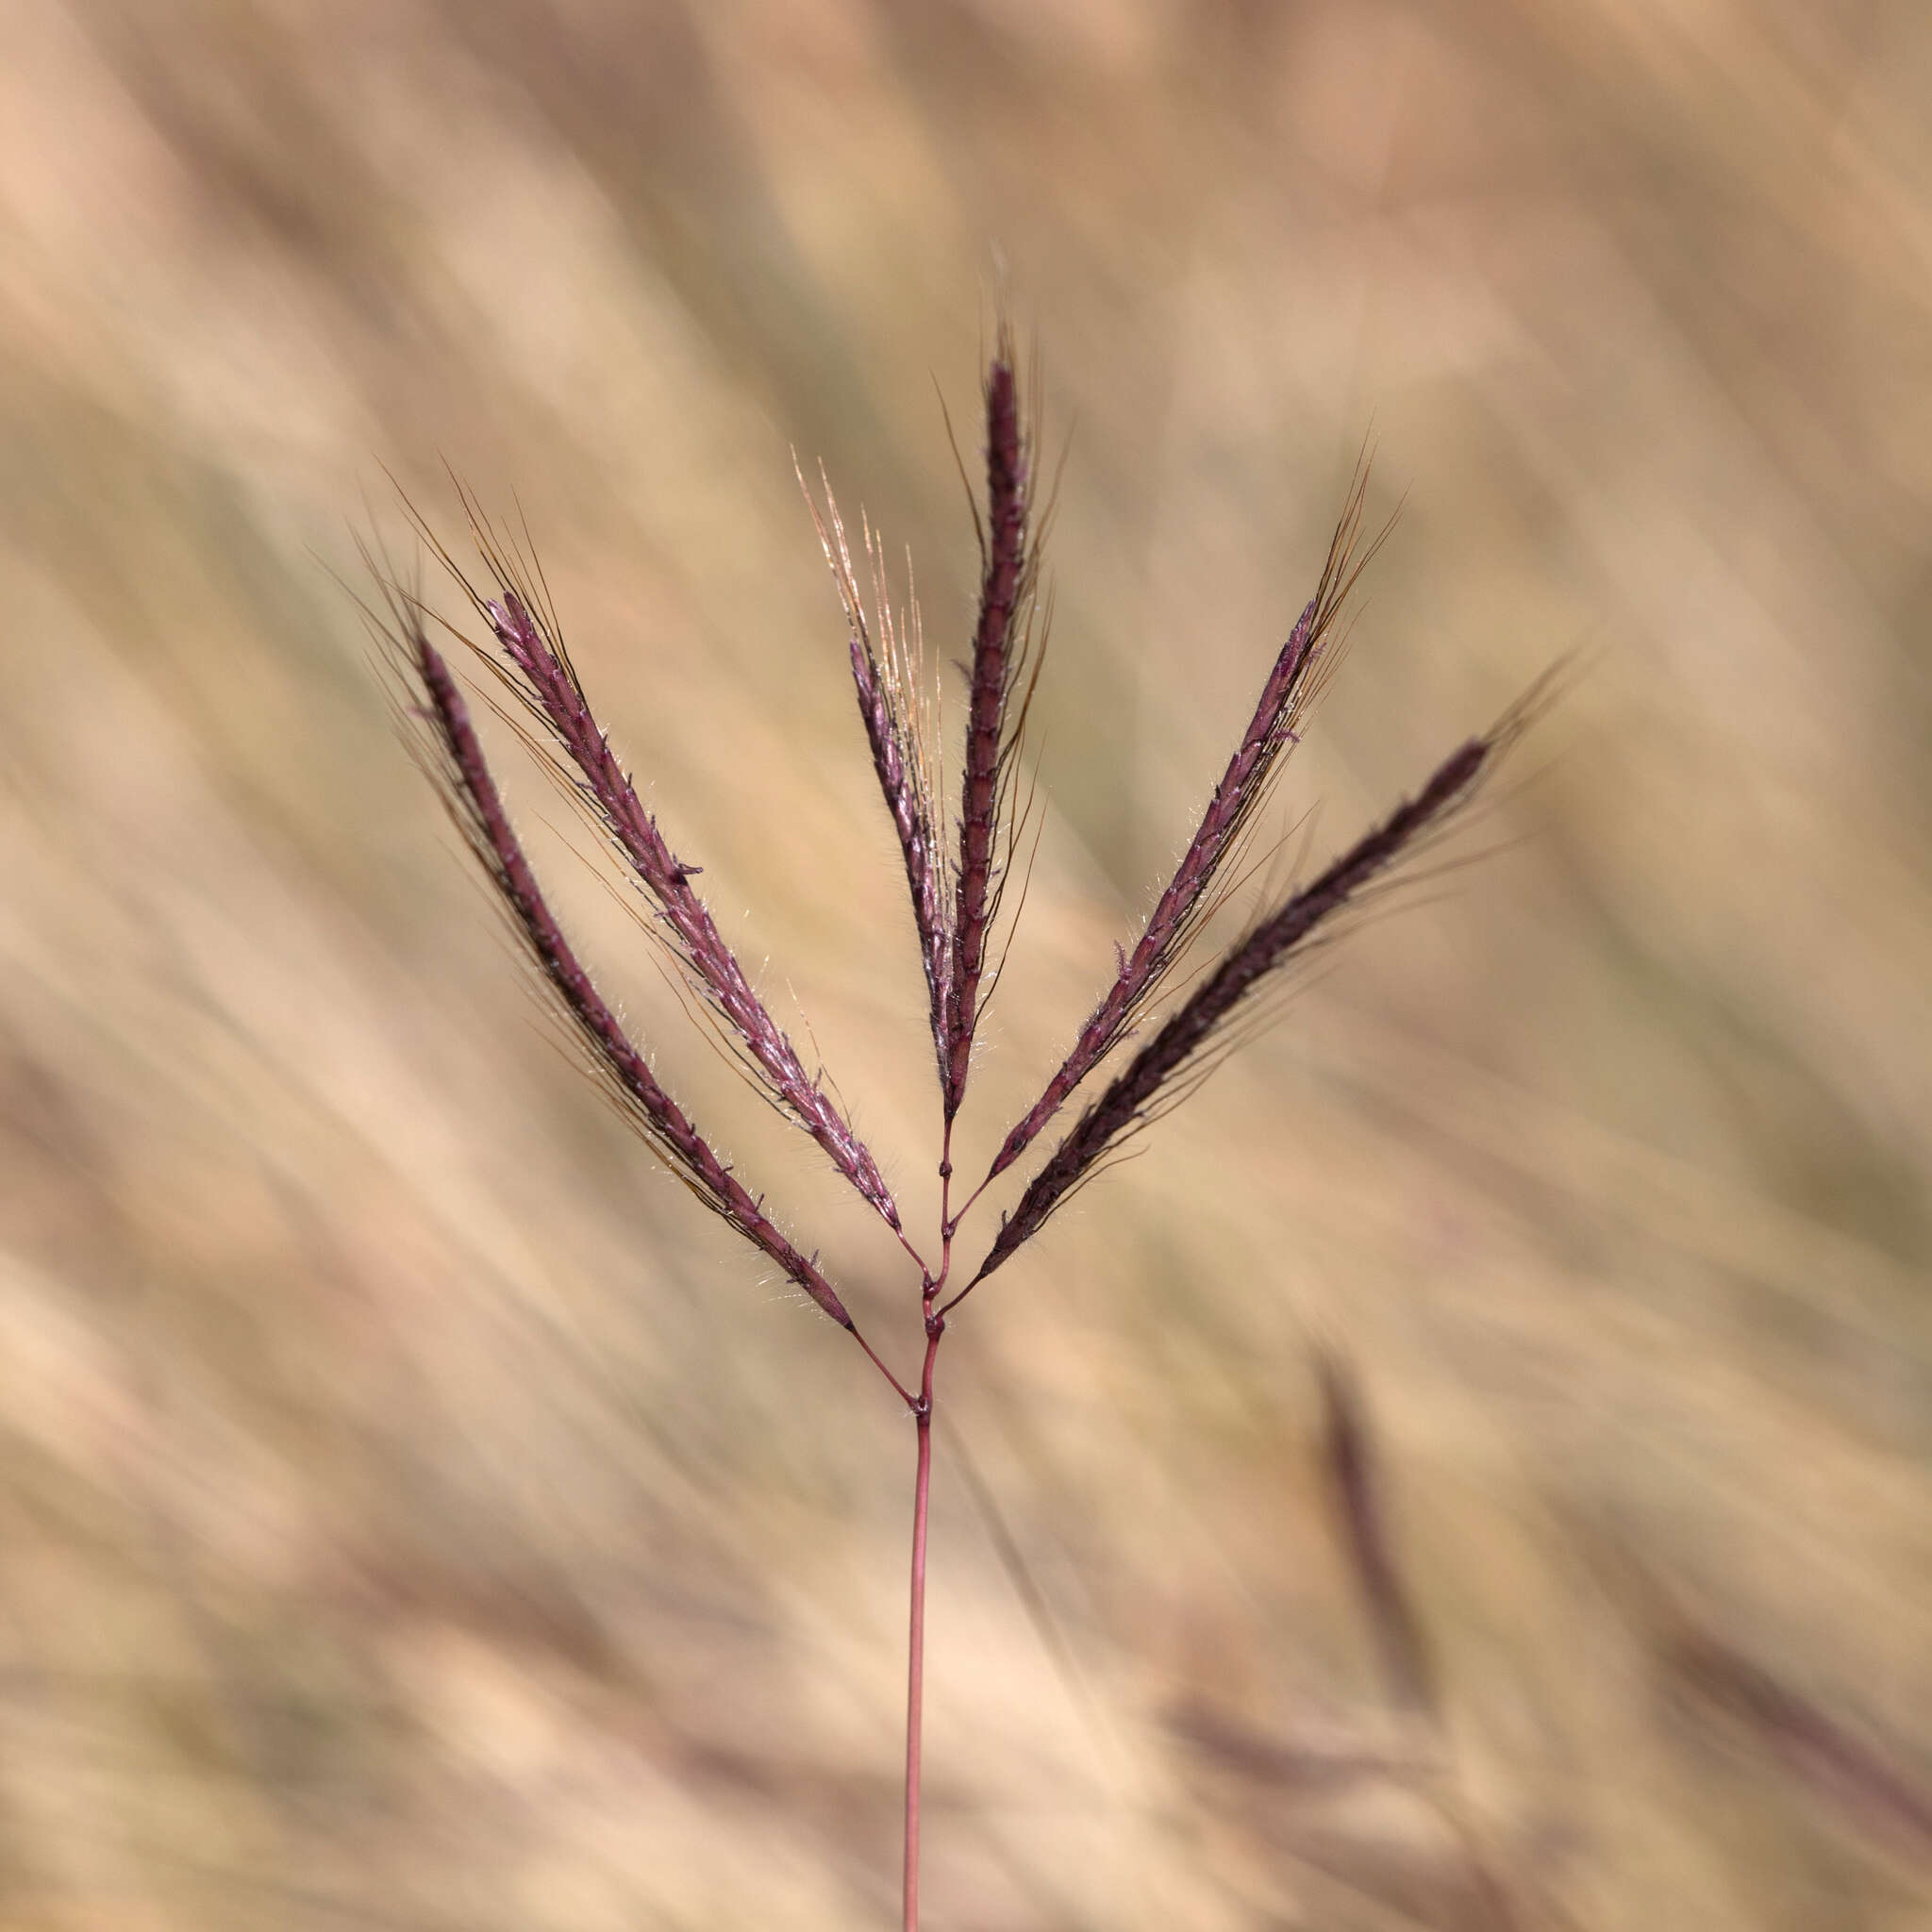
[[413, 1514]]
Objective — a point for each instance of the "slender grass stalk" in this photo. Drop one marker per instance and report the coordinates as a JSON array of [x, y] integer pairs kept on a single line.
[[956, 903], [915, 1640]]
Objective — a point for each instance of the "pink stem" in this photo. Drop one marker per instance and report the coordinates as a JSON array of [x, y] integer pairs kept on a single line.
[[915, 1650], [899, 1389], [931, 1288]]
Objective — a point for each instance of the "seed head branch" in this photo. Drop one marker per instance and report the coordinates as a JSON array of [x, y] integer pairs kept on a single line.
[[450, 749], [887, 680], [999, 653], [543, 679], [1190, 898], [1150, 1075]]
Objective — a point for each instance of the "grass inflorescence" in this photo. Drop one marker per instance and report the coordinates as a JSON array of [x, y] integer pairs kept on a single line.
[[956, 884]]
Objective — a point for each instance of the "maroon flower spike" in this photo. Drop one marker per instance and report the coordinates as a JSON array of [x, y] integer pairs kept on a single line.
[[453, 756], [546, 684], [992, 723], [1248, 965], [1189, 899], [890, 708]]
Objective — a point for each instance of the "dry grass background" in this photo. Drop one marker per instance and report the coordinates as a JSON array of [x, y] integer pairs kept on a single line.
[[417, 1515]]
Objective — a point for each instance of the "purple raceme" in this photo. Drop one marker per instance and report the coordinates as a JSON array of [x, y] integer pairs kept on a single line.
[[544, 680], [1000, 640], [1246, 967], [1189, 899], [453, 756], [889, 707]]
